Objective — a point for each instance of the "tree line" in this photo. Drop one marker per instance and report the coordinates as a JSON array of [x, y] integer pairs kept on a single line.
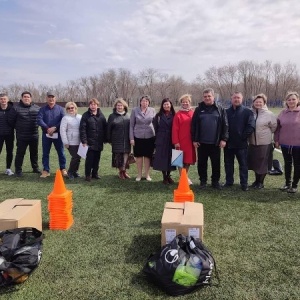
[[248, 77]]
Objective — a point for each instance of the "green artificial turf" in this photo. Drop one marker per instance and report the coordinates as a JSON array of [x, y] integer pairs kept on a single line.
[[253, 235]]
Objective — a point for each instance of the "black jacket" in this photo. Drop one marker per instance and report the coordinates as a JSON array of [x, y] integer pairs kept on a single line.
[[241, 125], [93, 130], [118, 132], [197, 126], [5, 128], [24, 119]]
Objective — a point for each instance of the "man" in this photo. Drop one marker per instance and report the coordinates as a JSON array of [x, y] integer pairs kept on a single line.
[[209, 135], [6, 131], [241, 125], [23, 118], [49, 119]]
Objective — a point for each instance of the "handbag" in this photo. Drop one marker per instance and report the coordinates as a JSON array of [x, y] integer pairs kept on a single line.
[[177, 158], [131, 159], [181, 266]]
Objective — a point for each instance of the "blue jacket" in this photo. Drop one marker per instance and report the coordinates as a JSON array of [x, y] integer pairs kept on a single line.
[[241, 125], [50, 117]]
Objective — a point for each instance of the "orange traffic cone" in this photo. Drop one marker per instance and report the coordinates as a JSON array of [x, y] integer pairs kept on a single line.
[[183, 193], [60, 205]]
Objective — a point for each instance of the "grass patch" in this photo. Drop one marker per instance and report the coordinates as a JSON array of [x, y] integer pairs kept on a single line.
[[254, 236]]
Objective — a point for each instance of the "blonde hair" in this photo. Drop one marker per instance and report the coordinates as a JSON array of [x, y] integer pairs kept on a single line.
[[261, 96], [289, 94], [122, 101], [68, 104], [186, 96], [95, 101]]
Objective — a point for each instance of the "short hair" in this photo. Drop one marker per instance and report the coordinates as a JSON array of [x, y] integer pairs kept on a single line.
[[147, 97], [122, 101], [68, 104], [95, 101], [237, 92], [26, 93], [186, 96], [291, 93], [3, 94], [260, 96], [209, 90]]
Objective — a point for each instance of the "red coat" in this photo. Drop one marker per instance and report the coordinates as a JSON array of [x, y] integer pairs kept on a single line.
[[181, 133]]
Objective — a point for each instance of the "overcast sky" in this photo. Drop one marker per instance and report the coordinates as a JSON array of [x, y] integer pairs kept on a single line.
[[52, 41]]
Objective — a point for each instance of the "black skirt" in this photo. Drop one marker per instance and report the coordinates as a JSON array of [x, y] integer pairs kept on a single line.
[[143, 147]]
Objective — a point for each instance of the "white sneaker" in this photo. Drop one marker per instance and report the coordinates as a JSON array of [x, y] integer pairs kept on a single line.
[[9, 172], [148, 178], [138, 179], [190, 181]]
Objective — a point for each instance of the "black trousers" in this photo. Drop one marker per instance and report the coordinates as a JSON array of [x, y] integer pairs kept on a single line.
[[213, 152], [9, 144], [21, 150], [291, 156], [75, 159], [92, 162]]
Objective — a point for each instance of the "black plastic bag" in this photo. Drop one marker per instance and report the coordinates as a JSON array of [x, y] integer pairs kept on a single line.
[[171, 270], [276, 168]]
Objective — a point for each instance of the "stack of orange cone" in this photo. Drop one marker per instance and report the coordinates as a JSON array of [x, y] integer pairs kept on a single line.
[[60, 205], [183, 193]]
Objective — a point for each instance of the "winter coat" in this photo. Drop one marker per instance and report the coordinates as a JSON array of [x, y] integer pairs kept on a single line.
[[5, 128], [118, 132], [265, 125], [24, 119], [69, 129], [288, 127], [93, 130], [181, 133], [163, 142], [222, 125], [241, 125], [141, 124]]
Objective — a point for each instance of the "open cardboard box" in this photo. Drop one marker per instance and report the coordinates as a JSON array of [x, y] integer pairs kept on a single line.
[[182, 218], [20, 212]]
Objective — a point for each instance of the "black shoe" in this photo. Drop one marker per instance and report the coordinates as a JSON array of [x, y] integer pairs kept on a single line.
[[96, 176], [202, 185], [19, 173], [76, 175], [254, 184], [227, 185], [70, 175], [245, 188], [259, 186], [285, 188], [36, 170], [216, 185], [87, 178]]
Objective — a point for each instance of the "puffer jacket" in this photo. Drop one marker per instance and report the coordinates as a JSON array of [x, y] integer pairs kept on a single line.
[[93, 130], [265, 125], [24, 119], [69, 129], [118, 132], [5, 128]]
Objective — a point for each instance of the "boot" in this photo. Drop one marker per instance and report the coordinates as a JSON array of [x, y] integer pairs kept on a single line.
[[121, 175], [255, 183], [165, 178]]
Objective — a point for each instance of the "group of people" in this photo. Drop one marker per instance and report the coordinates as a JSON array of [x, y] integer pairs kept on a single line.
[[247, 134]]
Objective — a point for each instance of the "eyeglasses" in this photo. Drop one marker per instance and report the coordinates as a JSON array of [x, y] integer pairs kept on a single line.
[[70, 108]]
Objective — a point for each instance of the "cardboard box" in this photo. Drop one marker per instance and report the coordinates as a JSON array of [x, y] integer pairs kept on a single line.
[[20, 212], [182, 218]]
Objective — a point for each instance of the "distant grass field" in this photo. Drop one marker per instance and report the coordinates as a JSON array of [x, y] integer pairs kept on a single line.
[[254, 236]]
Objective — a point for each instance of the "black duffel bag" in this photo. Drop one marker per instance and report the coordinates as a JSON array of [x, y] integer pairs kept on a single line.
[[20, 254], [181, 267]]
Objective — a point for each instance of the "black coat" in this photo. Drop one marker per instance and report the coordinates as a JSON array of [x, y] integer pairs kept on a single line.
[[163, 142], [24, 119], [118, 132], [93, 130], [5, 128]]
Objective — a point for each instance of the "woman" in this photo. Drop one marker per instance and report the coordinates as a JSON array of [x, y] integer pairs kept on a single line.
[[181, 132], [69, 132], [260, 141], [288, 138], [118, 136], [163, 142], [142, 136], [93, 135]]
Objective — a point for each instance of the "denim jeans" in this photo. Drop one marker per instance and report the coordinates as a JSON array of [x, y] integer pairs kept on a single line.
[[59, 147], [241, 156]]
